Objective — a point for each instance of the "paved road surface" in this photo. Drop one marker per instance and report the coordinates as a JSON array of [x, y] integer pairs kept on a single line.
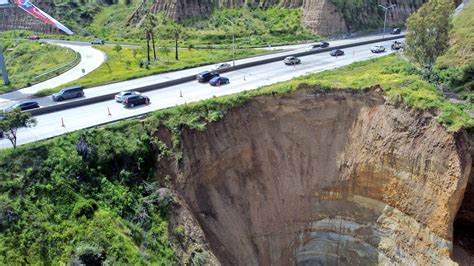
[[86, 43], [49, 125], [150, 80]]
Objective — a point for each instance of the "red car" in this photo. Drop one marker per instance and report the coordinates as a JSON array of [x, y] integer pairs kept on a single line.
[[34, 37]]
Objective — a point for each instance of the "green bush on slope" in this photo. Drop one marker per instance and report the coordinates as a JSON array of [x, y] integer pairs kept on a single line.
[[83, 190], [456, 67]]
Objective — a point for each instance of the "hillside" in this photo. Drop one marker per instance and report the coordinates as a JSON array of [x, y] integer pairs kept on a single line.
[[456, 66], [461, 51], [321, 17]]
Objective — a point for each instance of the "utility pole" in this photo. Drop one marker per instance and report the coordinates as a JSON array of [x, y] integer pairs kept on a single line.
[[233, 41], [385, 19], [3, 67]]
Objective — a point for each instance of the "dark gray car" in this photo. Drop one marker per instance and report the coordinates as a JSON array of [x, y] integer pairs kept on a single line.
[[68, 93]]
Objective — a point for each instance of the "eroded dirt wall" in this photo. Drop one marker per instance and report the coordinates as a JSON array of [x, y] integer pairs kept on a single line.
[[325, 177]]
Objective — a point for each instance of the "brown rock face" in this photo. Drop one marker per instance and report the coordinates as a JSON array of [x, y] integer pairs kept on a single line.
[[324, 177], [322, 17], [181, 9]]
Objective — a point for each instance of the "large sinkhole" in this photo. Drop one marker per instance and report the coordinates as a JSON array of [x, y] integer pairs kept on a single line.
[[325, 177]]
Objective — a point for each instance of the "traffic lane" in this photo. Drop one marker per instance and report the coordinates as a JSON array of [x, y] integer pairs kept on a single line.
[[276, 69], [50, 125], [303, 47]]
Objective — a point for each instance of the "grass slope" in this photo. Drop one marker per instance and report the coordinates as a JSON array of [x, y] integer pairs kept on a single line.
[[27, 59], [461, 51], [88, 199], [455, 69], [253, 26], [92, 193]]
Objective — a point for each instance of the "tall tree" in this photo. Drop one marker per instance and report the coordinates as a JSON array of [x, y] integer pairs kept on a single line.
[[151, 22], [177, 31], [428, 30], [149, 25], [14, 120]]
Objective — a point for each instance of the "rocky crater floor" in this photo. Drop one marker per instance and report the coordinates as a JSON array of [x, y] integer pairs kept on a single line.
[[325, 177]]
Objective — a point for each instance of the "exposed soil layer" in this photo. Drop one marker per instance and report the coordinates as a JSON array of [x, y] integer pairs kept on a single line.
[[325, 177]]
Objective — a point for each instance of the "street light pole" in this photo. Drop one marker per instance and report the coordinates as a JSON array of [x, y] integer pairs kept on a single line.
[[233, 41], [3, 67], [385, 19]]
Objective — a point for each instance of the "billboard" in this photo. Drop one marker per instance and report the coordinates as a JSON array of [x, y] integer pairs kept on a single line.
[[31, 9]]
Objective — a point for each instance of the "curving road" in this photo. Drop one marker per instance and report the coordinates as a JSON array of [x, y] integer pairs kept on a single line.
[[91, 59], [50, 125]]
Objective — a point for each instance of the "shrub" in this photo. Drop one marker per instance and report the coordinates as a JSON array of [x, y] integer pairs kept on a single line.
[[88, 254], [85, 208], [117, 48], [199, 257], [180, 232], [143, 64]]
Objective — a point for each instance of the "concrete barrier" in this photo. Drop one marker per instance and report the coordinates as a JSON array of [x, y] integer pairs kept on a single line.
[[110, 96]]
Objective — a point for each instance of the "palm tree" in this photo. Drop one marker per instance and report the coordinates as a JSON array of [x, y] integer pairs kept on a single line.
[[149, 25], [177, 30], [147, 29]]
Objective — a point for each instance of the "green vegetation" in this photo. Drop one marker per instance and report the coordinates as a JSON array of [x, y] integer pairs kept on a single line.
[[461, 50], [428, 29], [401, 81], [88, 197], [254, 26], [92, 195], [455, 69], [128, 63], [28, 59], [351, 12]]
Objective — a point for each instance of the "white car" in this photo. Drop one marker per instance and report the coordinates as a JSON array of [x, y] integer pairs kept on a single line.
[[124, 94], [221, 66], [377, 49], [292, 60]]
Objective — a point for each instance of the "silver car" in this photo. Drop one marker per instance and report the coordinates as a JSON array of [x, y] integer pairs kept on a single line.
[[124, 94], [221, 66], [377, 49], [292, 60]]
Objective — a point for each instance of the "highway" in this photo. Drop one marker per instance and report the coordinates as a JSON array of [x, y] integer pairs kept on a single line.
[[6, 99], [50, 125]]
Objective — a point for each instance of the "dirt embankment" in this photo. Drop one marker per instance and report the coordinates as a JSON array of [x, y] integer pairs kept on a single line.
[[325, 177]]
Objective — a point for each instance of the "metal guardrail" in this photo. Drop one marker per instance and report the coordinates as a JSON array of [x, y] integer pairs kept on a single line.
[[110, 96], [75, 61]]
